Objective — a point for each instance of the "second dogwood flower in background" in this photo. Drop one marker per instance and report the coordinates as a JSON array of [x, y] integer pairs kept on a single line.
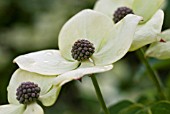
[[148, 30]]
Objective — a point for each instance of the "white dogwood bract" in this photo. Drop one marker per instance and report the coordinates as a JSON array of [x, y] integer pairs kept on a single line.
[[48, 94], [149, 32], [47, 62], [160, 50], [151, 25], [111, 42], [51, 69]]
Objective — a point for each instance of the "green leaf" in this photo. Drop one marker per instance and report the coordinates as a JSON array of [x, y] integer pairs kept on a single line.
[[115, 109], [127, 107], [162, 107], [144, 111], [133, 109]]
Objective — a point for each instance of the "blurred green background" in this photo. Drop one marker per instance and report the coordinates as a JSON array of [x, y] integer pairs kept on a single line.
[[32, 25]]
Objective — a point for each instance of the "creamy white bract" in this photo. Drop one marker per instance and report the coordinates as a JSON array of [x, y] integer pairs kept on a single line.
[[149, 29], [111, 41], [48, 94], [160, 50], [57, 67]]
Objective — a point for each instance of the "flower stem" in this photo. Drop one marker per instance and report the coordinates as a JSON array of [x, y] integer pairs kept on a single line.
[[99, 94], [153, 75]]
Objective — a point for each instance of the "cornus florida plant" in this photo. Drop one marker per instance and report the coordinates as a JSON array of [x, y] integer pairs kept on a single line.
[[25, 88], [148, 29], [89, 43]]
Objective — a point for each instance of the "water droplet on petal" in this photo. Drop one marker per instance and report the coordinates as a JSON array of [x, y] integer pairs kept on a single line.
[[49, 53]]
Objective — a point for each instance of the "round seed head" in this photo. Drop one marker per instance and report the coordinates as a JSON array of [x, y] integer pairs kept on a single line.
[[27, 92], [82, 50], [120, 13]]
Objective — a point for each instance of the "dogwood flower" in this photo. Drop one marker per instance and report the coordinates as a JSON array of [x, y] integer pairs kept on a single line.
[[160, 50], [89, 43], [25, 88], [148, 29]]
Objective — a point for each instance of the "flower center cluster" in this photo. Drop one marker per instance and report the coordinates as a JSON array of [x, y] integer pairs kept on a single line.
[[120, 13], [28, 92], [82, 50]]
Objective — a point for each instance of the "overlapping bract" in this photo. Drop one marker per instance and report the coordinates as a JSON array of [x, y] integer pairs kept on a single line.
[[106, 36], [50, 69], [48, 94], [160, 50], [148, 29]]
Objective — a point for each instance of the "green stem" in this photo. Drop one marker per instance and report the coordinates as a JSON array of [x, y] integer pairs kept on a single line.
[[99, 94], [153, 75]]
